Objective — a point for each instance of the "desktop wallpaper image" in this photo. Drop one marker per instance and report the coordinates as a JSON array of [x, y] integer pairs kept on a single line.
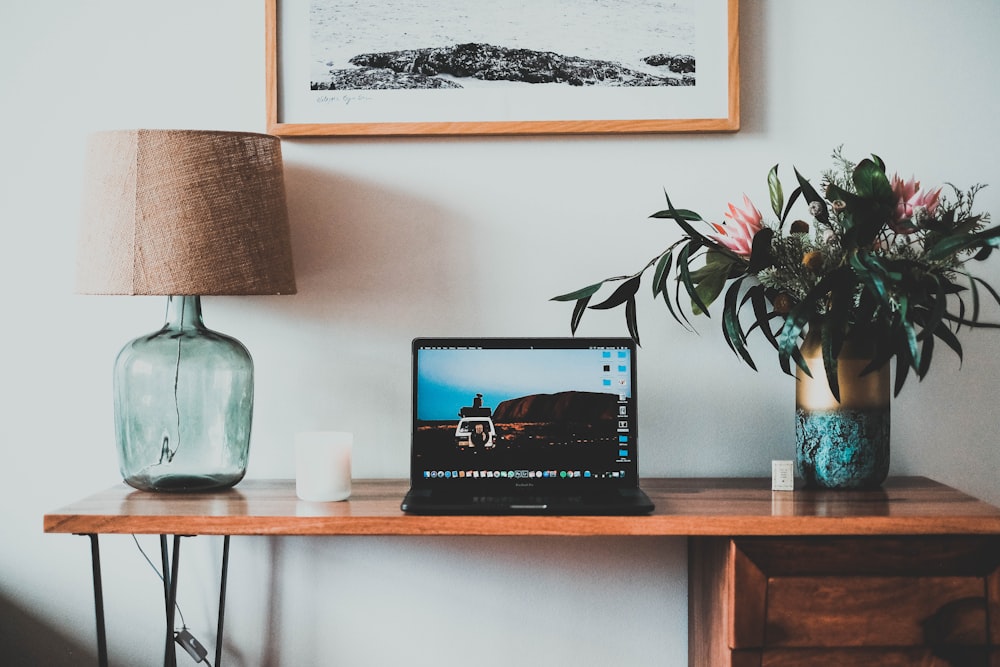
[[556, 405]]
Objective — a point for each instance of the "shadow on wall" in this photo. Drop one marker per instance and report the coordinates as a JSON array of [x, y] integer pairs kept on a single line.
[[27, 641], [365, 250], [754, 35], [461, 594]]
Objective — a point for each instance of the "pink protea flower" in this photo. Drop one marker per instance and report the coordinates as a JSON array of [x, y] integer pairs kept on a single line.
[[911, 202], [738, 236]]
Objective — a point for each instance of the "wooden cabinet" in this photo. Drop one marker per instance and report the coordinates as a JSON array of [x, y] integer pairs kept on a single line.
[[779, 602]]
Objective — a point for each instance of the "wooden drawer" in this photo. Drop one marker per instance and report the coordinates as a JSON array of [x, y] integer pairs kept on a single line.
[[844, 601]]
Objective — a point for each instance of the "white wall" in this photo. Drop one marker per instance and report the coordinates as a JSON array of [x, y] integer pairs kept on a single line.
[[379, 232]]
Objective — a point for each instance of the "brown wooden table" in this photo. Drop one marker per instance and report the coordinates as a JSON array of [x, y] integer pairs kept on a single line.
[[907, 574]]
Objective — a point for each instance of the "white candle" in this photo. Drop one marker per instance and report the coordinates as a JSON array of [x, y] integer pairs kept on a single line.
[[323, 465]]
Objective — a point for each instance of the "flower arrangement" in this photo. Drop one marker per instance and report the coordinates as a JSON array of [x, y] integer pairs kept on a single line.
[[883, 260]]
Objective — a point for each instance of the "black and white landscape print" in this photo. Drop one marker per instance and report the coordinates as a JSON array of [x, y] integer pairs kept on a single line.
[[369, 45]]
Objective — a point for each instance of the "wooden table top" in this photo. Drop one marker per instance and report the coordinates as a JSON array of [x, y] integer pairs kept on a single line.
[[684, 507]]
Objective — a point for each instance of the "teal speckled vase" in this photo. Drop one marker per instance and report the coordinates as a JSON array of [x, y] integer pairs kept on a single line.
[[845, 444]]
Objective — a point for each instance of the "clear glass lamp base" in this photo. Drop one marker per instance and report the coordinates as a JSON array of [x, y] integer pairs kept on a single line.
[[183, 405]]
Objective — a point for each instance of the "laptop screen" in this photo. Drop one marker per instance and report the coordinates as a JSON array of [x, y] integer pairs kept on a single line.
[[524, 412]]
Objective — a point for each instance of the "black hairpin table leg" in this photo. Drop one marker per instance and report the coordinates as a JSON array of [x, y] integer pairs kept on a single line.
[[222, 600], [171, 566], [170, 570], [102, 643], [165, 569]]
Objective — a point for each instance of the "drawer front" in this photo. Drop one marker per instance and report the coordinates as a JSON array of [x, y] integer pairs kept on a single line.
[[875, 611], [932, 601], [859, 658]]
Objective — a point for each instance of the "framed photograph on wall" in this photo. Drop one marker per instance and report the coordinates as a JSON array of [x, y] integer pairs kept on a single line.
[[454, 67]]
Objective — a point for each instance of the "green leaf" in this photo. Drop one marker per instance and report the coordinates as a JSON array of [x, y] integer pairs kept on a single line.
[[774, 188], [870, 181], [967, 226], [855, 204], [683, 265], [788, 207], [788, 339], [665, 293], [580, 293], [677, 299], [731, 328], [661, 273], [871, 277], [709, 287], [986, 285], [831, 344], [761, 256], [624, 292], [956, 243], [970, 323], [902, 370], [578, 310], [949, 339], [758, 299], [715, 263], [839, 281], [938, 305], [925, 357], [974, 292], [863, 218], [973, 320], [909, 332], [983, 254], [678, 214], [630, 320], [681, 217], [809, 192]]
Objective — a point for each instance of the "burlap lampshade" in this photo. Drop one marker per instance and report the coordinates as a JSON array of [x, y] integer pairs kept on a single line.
[[182, 212]]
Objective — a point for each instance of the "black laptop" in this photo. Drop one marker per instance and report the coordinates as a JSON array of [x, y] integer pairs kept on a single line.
[[524, 426]]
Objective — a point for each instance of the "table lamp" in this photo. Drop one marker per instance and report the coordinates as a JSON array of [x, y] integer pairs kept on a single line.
[[182, 214]]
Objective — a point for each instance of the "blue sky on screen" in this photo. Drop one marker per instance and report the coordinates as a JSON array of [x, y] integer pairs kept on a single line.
[[450, 379]]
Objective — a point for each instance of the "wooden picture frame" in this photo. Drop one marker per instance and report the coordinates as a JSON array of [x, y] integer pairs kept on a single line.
[[707, 102]]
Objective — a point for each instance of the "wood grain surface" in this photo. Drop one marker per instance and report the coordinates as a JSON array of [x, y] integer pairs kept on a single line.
[[684, 507]]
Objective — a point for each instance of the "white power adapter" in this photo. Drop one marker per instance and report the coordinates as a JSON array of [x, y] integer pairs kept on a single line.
[[782, 476], [188, 642]]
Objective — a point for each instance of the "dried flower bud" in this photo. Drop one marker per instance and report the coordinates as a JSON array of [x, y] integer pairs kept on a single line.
[[816, 209], [799, 227], [783, 303], [839, 205], [813, 260]]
